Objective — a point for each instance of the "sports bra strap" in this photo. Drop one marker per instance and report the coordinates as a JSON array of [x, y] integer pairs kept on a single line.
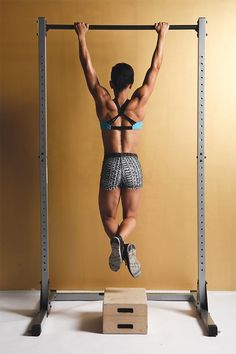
[[112, 120], [131, 121], [121, 108], [121, 112]]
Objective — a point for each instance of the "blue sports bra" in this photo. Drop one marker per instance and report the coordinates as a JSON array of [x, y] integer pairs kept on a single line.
[[107, 125]]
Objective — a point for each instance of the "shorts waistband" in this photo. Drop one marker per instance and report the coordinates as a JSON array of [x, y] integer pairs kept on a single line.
[[120, 154]]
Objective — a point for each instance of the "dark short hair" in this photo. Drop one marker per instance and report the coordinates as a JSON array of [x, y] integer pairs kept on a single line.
[[122, 75]]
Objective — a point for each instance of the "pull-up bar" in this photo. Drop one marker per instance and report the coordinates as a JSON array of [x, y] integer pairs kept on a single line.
[[122, 27]]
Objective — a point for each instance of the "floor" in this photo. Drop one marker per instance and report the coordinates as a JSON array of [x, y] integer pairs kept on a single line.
[[75, 327]]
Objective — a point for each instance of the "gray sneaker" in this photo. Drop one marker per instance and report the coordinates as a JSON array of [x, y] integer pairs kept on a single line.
[[131, 261], [115, 259]]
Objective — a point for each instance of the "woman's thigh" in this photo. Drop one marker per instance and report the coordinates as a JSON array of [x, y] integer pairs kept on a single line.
[[130, 199], [108, 202]]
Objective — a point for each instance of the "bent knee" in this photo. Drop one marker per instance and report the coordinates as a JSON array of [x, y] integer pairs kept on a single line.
[[107, 216], [130, 216]]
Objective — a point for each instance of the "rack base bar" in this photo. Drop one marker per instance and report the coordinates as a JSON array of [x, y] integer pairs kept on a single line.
[[95, 296], [205, 317]]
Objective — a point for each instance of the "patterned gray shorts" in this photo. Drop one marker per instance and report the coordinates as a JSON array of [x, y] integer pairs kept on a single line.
[[121, 170]]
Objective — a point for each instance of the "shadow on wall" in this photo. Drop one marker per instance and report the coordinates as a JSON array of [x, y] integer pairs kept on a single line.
[[20, 203]]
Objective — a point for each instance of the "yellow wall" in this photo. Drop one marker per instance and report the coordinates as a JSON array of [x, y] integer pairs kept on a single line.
[[166, 233]]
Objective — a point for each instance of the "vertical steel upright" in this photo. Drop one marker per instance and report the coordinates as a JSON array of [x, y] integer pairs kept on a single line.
[[43, 156], [202, 295]]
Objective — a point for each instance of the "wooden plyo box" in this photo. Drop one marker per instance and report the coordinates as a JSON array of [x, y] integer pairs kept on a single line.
[[125, 311]]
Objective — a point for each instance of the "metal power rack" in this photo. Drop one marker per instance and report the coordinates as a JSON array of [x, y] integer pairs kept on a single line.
[[197, 297]]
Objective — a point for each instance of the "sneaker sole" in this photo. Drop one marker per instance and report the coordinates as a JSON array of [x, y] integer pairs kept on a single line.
[[115, 259], [133, 264]]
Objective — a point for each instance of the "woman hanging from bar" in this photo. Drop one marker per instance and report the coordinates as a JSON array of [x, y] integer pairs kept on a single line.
[[121, 121]]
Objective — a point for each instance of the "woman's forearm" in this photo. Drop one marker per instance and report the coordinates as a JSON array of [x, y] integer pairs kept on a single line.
[[158, 52], [84, 55]]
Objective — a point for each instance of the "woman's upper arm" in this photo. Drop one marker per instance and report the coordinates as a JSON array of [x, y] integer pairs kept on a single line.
[[144, 91], [100, 93]]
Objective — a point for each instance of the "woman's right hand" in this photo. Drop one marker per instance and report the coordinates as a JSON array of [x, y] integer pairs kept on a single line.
[[81, 28], [161, 27]]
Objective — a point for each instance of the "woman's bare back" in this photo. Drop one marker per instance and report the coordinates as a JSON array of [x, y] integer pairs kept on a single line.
[[120, 140]]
